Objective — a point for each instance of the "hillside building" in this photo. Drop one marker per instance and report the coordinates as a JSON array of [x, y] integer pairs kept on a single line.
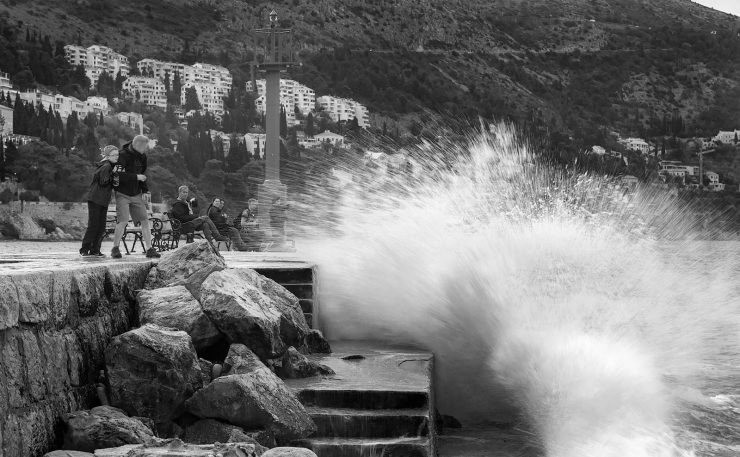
[[135, 121], [150, 91], [6, 121], [212, 82], [727, 137], [636, 144], [255, 143], [344, 110], [293, 95], [65, 106], [96, 60]]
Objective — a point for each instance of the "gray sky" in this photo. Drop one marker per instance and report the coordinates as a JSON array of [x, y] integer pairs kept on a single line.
[[728, 6]]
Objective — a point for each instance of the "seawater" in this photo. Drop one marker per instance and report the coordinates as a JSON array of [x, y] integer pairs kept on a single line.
[[593, 320]]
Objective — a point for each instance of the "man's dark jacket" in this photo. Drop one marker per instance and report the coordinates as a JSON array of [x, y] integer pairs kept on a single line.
[[219, 220], [130, 164], [181, 211]]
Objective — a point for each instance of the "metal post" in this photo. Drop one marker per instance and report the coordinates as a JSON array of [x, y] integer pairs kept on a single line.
[[272, 144]]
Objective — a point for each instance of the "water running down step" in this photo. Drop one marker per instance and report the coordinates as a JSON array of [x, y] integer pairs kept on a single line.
[[380, 403]]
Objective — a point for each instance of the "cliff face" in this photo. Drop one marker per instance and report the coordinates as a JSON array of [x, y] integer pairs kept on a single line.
[[565, 62]]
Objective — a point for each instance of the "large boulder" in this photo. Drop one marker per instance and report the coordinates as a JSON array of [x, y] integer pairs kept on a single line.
[[103, 426], [207, 431], [188, 266], [296, 365], [176, 448], [251, 396], [152, 371], [254, 310], [176, 307]]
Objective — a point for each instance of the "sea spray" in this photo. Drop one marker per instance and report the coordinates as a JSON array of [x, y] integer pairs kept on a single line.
[[550, 298]]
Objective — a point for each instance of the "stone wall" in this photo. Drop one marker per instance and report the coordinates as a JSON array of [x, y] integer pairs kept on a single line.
[[54, 327]]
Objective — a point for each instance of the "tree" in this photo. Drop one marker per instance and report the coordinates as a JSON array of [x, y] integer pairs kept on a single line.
[[191, 99], [176, 92], [283, 122], [310, 129]]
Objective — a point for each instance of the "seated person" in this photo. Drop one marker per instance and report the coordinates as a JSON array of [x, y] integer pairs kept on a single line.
[[250, 226], [182, 211], [219, 218]]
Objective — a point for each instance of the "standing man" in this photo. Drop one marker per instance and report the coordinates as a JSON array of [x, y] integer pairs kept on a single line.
[[129, 200]]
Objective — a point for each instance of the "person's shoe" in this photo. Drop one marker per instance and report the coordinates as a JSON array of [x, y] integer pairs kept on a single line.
[[152, 253], [115, 252], [84, 253], [97, 254]]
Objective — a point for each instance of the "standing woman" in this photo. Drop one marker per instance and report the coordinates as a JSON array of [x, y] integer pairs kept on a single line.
[[98, 197]]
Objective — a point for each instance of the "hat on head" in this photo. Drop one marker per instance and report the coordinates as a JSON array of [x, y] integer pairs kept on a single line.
[[107, 151]]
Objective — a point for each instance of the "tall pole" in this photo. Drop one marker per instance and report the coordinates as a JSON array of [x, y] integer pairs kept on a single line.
[[272, 110], [701, 171], [277, 58]]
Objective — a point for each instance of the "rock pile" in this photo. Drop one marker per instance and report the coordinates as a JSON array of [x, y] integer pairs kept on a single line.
[[205, 366]]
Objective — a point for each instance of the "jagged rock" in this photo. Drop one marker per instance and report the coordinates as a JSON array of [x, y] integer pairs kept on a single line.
[[176, 448], [240, 360], [103, 426], [253, 310], [187, 266], [206, 368], [296, 365], [251, 396], [152, 371], [68, 454], [175, 307], [315, 342], [207, 431], [289, 452]]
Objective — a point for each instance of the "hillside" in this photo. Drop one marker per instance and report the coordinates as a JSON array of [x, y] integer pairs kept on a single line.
[[579, 66]]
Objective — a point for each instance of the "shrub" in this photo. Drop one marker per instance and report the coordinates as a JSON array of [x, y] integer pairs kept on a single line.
[[48, 225], [6, 196], [29, 196]]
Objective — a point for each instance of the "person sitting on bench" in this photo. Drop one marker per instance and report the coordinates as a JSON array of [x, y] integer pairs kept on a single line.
[[220, 220], [182, 211]]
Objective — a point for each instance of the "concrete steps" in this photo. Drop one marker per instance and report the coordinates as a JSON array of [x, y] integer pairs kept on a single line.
[[379, 403], [300, 281]]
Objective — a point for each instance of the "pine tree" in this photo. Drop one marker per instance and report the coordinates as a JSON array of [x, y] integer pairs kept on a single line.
[[176, 89], [283, 122], [310, 129], [191, 99]]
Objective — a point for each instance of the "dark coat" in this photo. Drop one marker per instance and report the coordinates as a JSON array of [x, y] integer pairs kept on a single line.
[[218, 218], [181, 211], [101, 185], [130, 164]]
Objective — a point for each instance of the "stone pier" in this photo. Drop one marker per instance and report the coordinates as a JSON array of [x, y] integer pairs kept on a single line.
[[56, 318]]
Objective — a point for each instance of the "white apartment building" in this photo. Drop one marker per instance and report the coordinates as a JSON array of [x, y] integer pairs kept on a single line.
[[212, 82], [36, 96], [636, 144], [6, 115], [727, 137], [285, 102], [65, 106], [292, 95], [5, 84], [211, 98], [135, 121], [344, 110], [150, 91], [97, 105], [97, 59], [255, 142]]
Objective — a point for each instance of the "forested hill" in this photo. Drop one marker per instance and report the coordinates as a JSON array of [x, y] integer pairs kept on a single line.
[[578, 66]]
